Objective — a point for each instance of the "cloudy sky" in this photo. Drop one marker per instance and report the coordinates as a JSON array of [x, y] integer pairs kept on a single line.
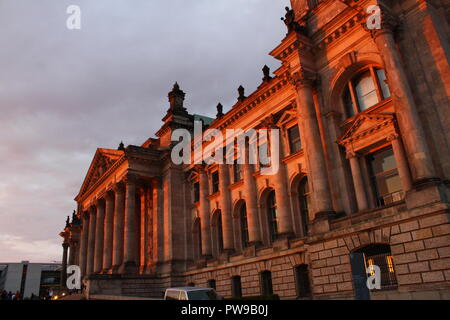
[[63, 93]]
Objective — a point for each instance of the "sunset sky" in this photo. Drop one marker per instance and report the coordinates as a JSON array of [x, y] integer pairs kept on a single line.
[[63, 93]]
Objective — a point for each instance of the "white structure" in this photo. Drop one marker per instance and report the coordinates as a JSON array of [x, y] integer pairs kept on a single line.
[[27, 278]]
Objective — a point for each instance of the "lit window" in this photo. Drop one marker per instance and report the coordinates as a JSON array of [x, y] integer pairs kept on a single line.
[[365, 91]]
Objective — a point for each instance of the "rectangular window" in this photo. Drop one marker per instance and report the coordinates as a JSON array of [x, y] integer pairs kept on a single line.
[[266, 283], [302, 279], [264, 155], [215, 182], [237, 171], [295, 143], [385, 180], [236, 287], [196, 192], [212, 284]]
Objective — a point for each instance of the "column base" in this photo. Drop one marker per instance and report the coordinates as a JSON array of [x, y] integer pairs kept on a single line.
[[424, 183], [426, 192], [115, 270], [129, 267]]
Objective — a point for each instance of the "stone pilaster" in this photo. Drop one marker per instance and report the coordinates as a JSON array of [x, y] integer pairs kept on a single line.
[[358, 182], [402, 161], [91, 241], [99, 236], [109, 232], [225, 206], [205, 213], [119, 209], [131, 246]]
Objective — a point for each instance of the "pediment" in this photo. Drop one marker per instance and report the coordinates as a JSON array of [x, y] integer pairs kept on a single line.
[[103, 160], [365, 124]]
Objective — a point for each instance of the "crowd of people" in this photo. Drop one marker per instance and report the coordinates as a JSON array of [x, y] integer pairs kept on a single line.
[[9, 296]]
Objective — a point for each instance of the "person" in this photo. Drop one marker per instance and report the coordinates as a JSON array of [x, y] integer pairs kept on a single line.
[[17, 296], [3, 295], [9, 296]]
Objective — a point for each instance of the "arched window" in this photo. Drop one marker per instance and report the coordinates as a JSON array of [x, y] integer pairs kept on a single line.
[[272, 215], [244, 226], [304, 199], [365, 90]]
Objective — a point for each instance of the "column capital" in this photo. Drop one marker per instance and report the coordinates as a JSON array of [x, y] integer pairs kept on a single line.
[[393, 136], [130, 178], [352, 154], [303, 78], [100, 201], [118, 188]]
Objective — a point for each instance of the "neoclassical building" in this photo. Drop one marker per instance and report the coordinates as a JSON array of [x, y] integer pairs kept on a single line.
[[364, 116]]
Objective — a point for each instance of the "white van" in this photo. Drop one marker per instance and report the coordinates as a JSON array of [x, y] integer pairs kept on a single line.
[[191, 293]]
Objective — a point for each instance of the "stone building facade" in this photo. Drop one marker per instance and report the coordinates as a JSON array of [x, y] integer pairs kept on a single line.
[[364, 116]]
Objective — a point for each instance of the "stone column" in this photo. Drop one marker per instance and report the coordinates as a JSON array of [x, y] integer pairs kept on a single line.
[[225, 206], [143, 237], [99, 236], [402, 161], [405, 107], [158, 222], [251, 200], [72, 252], [317, 170], [91, 242], [205, 214], [358, 182], [109, 232], [280, 179], [119, 208], [84, 242], [65, 246], [131, 238]]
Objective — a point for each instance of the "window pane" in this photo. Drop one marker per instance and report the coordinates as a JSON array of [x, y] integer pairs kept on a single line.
[[215, 182], [348, 103], [383, 84], [220, 232], [366, 91], [272, 215], [386, 182], [244, 226], [295, 144]]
